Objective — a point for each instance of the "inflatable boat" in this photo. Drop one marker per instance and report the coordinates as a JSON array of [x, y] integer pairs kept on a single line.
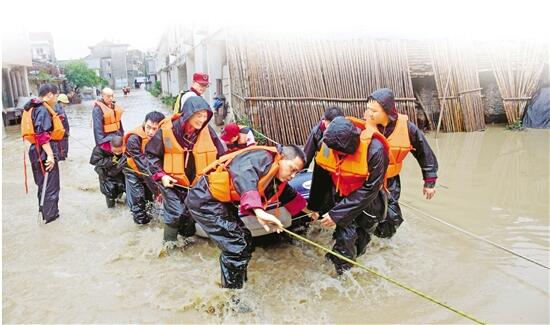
[[302, 184]]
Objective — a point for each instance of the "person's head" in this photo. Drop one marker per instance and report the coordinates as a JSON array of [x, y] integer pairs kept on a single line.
[[116, 145], [342, 135], [63, 99], [195, 113], [48, 93], [108, 95], [151, 123], [200, 82], [198, 119], [330, 114], [381, 107], [230, 133], [292, 162]]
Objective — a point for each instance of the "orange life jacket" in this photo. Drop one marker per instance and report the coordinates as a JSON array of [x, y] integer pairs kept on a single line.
[[175, 157], [351, 171], [221, 185], [27, 125], [139, 131], [111, 117], [400, 146]]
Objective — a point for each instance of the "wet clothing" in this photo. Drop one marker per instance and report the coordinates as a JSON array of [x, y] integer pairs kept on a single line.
[[357, 214], [100, 136], [313, 142], [50, 210], [226, 228], [64, 143], [312, 146], [140, 189], [428, 164], [244, 132], [109, 167], [175, 214], [42, 122]]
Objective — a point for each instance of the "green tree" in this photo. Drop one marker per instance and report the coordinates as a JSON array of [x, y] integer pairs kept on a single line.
[[78, 74]]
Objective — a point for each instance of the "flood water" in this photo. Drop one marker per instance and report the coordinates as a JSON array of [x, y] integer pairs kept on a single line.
[[95, 265]]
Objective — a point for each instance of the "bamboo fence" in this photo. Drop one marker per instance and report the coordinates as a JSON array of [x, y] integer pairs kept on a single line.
[[457, 83], [283, 86], [517, 67]]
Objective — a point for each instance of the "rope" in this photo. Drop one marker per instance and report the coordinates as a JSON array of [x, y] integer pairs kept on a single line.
[[387, 278], [129, 169], [254, 130], [476, 236]]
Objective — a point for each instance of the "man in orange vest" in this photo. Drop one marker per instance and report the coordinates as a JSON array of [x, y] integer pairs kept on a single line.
[[109, 166], [107, 119], [254, 177], [42, 129], [403, 137], [139, 188], [237, 137], [184, 145], [351, 166]]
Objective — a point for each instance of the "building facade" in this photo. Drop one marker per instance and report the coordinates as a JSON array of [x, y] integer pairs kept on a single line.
[[16, 59], [109, 60]]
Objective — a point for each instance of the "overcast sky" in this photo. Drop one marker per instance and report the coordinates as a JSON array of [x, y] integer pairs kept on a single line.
[[75, 25]]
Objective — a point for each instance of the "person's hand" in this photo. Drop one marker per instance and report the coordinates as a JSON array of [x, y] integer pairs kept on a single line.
[[168, 181], [428, 192], [114, 160], [50, 162], [265, 219], [327, 221], [313, 215]]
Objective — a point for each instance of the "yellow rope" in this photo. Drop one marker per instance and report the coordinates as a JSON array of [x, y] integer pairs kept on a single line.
[[397, 283]]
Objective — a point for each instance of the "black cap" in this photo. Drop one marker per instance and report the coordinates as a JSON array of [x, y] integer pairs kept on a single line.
[[342, 135]]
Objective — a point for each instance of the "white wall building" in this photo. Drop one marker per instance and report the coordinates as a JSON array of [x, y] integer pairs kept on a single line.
[[184, 50], [16, 58]]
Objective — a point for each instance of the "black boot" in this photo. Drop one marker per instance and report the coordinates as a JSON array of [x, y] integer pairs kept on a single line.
[[141, 218], [52, 219], [170, 233], [340, 266], [110, 202]]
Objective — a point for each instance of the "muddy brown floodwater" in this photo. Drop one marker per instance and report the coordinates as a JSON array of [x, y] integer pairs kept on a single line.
[[95, 265]]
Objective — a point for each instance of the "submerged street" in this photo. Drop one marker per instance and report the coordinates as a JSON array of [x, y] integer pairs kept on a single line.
[[95, 265]]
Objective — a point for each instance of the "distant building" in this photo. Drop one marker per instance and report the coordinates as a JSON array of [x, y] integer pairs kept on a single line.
[[135, 65], [45, 68], [109, 59], [42, 47], [184, 50], [150, 65], [16, 59]]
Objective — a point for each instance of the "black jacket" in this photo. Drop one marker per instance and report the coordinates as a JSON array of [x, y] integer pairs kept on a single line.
[[154, 150], [133, 150], [100, 136], [63, 145], [313, 143], [369, 197], [42, 121], [105, 164]]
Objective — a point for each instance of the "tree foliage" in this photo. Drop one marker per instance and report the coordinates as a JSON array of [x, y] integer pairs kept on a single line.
[[78, 74]]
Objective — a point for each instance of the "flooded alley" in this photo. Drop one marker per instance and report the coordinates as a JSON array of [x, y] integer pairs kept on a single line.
[[94, 265]]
